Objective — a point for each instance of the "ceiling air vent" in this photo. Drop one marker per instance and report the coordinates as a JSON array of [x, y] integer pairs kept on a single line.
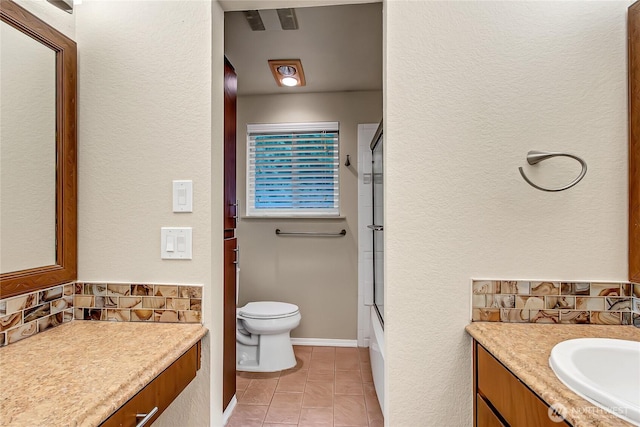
[[288, 19], [254, 20]]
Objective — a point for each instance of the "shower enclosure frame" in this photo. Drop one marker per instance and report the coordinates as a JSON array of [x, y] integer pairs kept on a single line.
[[377, 221]]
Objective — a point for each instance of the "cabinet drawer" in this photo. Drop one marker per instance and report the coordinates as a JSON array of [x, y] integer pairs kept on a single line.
[[160, 392], [517, 405], [484, 415]]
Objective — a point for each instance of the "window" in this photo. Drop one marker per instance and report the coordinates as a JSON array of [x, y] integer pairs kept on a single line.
[[292, 169]]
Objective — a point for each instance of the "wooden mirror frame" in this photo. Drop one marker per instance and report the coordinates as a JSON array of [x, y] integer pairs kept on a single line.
[[66, 267], [634, 141]]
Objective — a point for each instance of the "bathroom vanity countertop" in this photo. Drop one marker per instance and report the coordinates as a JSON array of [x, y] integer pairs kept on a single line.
[[97, 367], [525, 348]]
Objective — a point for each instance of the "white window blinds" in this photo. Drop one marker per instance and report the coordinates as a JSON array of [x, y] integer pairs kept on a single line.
[[293, 169]]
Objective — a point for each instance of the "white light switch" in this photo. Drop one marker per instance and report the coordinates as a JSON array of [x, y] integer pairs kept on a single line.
[[175, 243], [183, 196]]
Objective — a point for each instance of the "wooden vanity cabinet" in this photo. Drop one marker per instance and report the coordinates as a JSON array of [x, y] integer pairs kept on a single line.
[[501, 399], [159, 393]]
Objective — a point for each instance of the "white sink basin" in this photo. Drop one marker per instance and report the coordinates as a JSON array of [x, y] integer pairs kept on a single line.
[[604, 371]]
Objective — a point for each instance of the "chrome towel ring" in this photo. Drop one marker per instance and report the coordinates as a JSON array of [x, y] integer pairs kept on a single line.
[[535, 157]]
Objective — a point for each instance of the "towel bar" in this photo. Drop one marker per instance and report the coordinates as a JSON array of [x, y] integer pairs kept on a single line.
[[311, 233]]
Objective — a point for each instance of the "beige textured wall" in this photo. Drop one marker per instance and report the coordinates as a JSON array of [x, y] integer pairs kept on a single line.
[[320, 275], [146, 117], [470, 88], [52, 15]]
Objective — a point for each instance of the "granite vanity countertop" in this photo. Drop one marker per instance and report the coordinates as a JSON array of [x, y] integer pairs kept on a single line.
[[79, 373], [525, 350]]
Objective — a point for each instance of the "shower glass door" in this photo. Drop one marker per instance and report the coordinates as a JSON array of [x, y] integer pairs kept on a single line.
[[378, 224]]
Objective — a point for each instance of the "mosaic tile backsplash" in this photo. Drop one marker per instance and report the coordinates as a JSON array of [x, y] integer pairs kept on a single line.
[[28, 314], [597, 303], [124, 302]]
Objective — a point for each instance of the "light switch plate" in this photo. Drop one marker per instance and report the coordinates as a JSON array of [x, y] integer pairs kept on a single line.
[[183, 195], [175, 243]]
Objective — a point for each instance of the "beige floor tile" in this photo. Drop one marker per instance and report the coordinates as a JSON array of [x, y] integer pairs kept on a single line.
[[257, 375], [328, 387], [293, 382], [327, 354], [347, 361], [371, 400], [375, 416], [352, 375], [324, 351], [287, 400], [242, 383], [299, 349], [321, 363], [343, 351], [292, 370], [365, 370], [303, 360], [244, 412], [350, 411], [259, 392], [318, 395], [349, 387], [245, 423], [283, 415], [316, 417], [324, 375]]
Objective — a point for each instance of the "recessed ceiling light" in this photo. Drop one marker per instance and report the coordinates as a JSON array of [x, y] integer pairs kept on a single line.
[[289, 81], [287, 72]]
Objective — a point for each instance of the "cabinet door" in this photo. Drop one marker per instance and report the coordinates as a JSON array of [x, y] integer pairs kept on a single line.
[[231, 257], [513, 400], [484, 415], [159, 393], [230, 202]]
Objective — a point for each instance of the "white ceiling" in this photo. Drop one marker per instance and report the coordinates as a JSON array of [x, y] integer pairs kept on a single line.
[[229, 5], [340, 48]]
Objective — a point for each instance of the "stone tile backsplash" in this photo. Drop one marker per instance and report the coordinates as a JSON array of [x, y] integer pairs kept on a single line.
[[124, 302], [598, 303], [26, 315], [29, 314]]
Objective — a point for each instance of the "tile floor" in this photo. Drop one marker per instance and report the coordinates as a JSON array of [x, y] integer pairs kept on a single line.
[[330, 386]]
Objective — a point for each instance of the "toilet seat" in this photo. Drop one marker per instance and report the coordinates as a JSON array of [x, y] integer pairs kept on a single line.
[[268, 310]]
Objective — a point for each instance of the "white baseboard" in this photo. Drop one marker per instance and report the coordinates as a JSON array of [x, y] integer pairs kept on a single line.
[[227, 412], [324, 342]]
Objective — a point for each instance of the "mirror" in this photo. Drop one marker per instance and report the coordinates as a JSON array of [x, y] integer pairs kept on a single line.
[[27, 154], [38, 179]]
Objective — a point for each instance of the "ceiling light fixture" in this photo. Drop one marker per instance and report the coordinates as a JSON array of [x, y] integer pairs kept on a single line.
[[287, 72]]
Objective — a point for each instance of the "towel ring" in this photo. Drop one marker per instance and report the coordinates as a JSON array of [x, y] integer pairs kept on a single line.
[[535, 157]]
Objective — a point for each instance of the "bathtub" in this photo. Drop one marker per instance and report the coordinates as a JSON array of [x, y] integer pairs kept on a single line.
[[376, 354]]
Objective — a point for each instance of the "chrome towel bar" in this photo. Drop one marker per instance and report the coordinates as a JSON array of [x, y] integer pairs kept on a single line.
[[311, 233], [535, 157]]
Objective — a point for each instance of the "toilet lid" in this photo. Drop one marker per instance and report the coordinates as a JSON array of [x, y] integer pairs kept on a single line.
[[267, 309]]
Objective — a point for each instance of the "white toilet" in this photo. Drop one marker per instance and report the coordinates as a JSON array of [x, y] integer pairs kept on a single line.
[[263, 343]]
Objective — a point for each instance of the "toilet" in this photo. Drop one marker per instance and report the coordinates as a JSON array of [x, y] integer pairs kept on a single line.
[[263, 343]]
